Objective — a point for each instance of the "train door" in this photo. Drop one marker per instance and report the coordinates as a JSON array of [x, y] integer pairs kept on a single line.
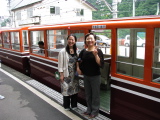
[[156, 57], [130, 55], [103, 42]]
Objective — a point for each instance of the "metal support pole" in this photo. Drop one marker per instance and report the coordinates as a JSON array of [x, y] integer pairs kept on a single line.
[[133, 8]]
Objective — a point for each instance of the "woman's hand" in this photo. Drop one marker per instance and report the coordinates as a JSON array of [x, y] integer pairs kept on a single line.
[[95, 51], [79, 71], [61, 77]]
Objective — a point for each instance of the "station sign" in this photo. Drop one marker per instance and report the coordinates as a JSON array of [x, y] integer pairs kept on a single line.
[[98, 26]]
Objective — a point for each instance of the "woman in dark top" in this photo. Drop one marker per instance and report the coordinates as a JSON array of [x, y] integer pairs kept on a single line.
[[90, 60]]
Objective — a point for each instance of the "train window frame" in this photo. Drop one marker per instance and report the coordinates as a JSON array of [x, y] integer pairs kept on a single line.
[[132, 65], [101, 42], [15, 40], [34, 45], [59, 42], [25, 40], [8, 41], [119, 39], [80, 34]]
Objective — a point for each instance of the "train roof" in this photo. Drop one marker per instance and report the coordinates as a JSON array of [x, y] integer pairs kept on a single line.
[[117, 21], [137, 20], [13, 29]]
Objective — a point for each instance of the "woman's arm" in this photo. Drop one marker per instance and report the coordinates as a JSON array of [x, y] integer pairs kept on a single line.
[[60, 66], [97, 58], [61, 77], [78, 69], [79, 60]]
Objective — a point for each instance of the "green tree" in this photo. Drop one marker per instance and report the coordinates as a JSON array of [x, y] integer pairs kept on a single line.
[[3, 24], [103, 11], [125, 8], [147, 7]]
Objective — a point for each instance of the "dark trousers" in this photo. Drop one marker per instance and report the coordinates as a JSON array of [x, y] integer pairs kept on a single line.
[[92, 91], [70, 100]]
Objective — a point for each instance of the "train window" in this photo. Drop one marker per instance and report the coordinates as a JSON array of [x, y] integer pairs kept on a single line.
[[80, 38], [0, 40], [25, 40], [56, 41], [35, 37], [129, 60], [123, 42], [103, 40], [156, 60], [15, 40], [6, 40]]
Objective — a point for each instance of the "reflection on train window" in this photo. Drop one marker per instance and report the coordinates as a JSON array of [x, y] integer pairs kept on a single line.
[[0, 40], [25, 40], [103, 40], [156, 60], [6, 41], [123, 42], [56, 41], [130, 61], [35, 37], [15, 40]]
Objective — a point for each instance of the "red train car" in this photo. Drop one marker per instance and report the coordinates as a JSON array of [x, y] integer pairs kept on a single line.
[[131, 78], [14, 48]]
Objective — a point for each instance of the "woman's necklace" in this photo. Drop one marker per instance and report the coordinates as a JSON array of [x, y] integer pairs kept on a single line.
[[71, 51]]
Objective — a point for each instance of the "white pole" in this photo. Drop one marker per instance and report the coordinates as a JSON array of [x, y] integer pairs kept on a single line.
[[157, 9], [114, 7], [133, 8]]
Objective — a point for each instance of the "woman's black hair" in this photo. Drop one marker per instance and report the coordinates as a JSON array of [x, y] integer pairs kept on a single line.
[[40, 43], [88, 35], [74, 46]]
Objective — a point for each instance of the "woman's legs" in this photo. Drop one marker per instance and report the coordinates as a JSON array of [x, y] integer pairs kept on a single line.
[[95, 85], [74, 100], [88, 93], [92, 91], [66, 102]]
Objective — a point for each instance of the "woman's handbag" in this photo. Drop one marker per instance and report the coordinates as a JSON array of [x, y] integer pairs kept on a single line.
[[57, 75]]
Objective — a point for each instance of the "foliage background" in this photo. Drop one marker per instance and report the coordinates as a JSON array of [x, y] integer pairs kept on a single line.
[[125, 7]]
